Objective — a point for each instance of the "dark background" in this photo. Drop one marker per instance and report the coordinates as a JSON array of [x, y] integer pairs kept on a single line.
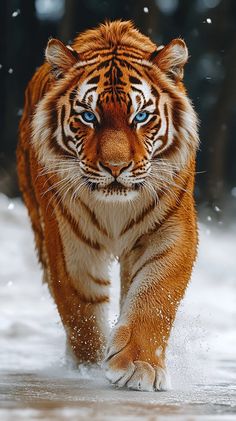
[[207, 26]]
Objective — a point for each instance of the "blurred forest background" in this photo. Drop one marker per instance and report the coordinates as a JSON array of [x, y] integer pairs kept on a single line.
[[207, 26]]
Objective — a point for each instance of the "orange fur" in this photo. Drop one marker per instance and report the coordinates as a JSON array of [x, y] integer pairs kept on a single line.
[[113, 72]]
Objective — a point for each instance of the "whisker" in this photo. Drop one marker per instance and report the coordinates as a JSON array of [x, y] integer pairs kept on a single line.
[[170, 182]]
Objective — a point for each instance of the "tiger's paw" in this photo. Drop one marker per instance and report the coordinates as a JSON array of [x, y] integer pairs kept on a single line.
[[124, 369], [138, 375]]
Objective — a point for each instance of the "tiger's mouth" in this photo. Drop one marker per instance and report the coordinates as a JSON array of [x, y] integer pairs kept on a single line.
[[115, 192], [115, 188]]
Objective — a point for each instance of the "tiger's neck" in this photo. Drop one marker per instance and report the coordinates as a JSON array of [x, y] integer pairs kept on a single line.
[[116, 216]]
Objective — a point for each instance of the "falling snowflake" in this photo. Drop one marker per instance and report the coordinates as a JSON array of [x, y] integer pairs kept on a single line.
[[145, 9], [208, 20], [15, 13], [10, 71], [233, 191]]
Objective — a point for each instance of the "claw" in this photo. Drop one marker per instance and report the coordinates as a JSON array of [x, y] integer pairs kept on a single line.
[[162, 381], [118, 341]]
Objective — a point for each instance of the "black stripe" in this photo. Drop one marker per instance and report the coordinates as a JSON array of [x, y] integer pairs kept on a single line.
[[134, 80], [139, 218], [94, 80], [153, 259]]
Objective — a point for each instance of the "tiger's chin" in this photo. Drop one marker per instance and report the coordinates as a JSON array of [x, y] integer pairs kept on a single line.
[[124, 195], [116, 192]]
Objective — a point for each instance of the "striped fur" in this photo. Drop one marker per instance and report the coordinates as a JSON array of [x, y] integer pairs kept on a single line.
[[100, 184]]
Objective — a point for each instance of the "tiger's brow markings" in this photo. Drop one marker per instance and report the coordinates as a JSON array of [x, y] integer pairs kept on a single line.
[[80, 104], [149, 102], [87, 93], [114, 82], [94, 80], [123, 63], [140, 92], [115, 79]]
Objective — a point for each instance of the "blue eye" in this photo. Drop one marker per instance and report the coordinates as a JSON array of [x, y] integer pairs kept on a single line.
[[88, 117], [141, 117]]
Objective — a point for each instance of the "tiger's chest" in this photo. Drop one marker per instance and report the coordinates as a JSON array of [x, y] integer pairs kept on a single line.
[[103, 229]]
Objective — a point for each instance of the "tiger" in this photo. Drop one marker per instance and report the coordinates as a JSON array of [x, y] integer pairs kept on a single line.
[[106, 164]]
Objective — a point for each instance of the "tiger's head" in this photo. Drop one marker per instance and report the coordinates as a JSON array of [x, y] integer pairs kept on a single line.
[[116, 120]]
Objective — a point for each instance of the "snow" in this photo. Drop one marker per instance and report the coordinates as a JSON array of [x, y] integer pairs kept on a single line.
[[37, 382], [233, 191], [15, 13]]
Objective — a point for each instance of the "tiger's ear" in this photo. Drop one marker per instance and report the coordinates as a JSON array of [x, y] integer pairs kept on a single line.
[[172, 58], [60, 57]]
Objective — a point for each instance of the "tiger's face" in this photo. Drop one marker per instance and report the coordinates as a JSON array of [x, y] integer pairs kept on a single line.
[[113, 126], [124, 123]]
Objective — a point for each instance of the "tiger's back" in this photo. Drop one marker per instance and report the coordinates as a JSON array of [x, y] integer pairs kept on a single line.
[[106, 162]]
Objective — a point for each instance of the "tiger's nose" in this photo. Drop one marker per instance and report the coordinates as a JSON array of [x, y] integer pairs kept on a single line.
[[115, 168]]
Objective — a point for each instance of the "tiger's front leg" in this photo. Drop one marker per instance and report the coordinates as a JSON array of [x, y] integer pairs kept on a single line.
[[78, 278], [159, 268], [79, 283]]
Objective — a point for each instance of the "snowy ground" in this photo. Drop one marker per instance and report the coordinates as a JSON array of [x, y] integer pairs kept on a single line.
[[36, 383]]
